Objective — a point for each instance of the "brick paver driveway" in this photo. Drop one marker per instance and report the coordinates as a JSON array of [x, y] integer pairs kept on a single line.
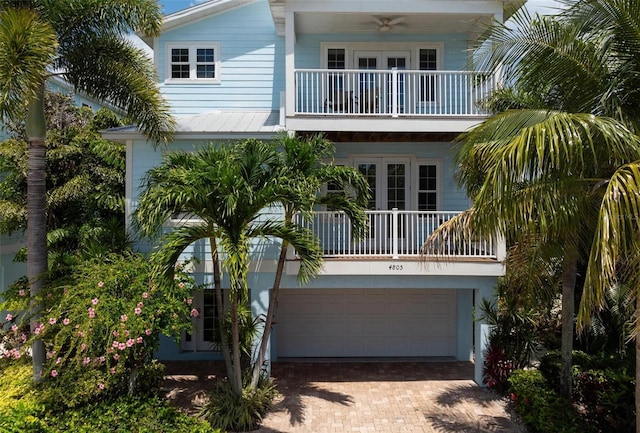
[[389, 397]]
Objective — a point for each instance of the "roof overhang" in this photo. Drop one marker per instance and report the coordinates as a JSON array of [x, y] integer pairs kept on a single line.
[[217, 125], [345, 16]]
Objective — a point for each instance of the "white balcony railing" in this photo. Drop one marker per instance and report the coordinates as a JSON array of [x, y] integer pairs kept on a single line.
[[393, 234], [392, 93]]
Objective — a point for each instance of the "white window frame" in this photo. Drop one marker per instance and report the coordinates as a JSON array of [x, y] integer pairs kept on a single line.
[[416, 178], [193, 47], [438, 46]]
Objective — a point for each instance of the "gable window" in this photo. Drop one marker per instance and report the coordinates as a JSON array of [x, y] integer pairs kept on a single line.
[[194, 62]]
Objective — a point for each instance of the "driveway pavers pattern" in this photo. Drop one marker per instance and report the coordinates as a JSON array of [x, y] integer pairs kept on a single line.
[[390, 397], [367, 397]]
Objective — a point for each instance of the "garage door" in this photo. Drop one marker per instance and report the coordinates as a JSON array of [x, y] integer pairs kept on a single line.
[[366, 322]]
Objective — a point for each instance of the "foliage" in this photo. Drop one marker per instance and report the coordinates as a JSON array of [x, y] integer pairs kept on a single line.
[[497, 368], [604, 388], [128, 414], [23, 408], [540, 407], [607, 397], [550, 364], [249, 329], [85, 181], [100, 327], [85, 42], [227, 411], [521, 322]]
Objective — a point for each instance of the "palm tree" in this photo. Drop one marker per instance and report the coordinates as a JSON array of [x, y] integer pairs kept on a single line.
[[539, 184], [534, 162], [305, 166], [84, 42], [616, 242], [221, 194]]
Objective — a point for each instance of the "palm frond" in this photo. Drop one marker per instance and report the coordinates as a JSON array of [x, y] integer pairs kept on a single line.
[[110, 68], [27, 48], [615, 239], [172, 246]]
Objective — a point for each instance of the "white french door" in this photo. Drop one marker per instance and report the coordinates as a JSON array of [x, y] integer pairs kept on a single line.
[[388, 179], [382, 92]]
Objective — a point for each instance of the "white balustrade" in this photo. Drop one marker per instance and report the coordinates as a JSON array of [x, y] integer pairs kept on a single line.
[[391, 93], [393, 234]]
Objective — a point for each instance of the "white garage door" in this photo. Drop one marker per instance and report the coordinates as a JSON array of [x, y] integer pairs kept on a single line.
[[366, 322]]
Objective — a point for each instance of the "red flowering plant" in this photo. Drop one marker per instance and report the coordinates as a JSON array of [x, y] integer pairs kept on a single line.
[[101, 325]]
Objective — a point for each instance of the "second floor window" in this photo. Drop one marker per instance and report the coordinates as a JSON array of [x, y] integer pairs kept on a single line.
[[194, 63]]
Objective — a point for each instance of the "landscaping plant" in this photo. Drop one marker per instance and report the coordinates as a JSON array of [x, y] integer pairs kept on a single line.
[[100, 327]]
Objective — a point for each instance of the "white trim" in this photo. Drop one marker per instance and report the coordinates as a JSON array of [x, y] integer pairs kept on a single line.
[[438, 46], [193, 46], [381, 48], [352, 266], [415, 179]]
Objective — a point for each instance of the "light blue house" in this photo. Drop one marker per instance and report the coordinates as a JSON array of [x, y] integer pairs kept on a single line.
[[389, 82]]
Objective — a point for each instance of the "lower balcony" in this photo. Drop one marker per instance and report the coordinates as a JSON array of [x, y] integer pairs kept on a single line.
[[397, 234]]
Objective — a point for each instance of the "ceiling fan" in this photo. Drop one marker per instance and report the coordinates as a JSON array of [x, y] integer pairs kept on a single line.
[[385, 24]]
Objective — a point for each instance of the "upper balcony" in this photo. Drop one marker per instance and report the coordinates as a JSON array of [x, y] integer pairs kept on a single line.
[[381, 66], [367, 98]]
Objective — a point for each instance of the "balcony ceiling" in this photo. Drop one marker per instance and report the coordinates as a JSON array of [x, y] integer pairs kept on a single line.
[[320, 22]]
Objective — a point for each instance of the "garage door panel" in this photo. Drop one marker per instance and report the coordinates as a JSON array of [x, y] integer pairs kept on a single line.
[[379, 322]]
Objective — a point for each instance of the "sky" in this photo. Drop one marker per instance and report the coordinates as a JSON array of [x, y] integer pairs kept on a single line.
[[170, 6]]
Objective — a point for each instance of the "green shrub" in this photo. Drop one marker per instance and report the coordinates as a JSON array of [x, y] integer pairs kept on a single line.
[[608, 400], [129, 415], [227, 411], [540, 407], [551, 362], [100, 326], [23, 417]]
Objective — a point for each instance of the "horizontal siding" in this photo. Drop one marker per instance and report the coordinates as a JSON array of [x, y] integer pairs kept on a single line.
[[251, 69], [453, 198]]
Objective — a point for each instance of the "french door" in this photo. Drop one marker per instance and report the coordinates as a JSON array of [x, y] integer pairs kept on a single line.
[[388, 179], [382, 92]]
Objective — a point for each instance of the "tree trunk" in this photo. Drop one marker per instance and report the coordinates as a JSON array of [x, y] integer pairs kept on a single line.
[[569, 270], [224, 343], [36, 221], [133, 378], [637, 365], [236, 379], [266, 333]]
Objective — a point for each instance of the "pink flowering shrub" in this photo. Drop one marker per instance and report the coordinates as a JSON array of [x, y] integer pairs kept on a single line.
[[101, 324]]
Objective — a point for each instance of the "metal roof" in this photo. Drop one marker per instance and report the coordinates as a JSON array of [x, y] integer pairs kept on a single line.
[[212, 125]]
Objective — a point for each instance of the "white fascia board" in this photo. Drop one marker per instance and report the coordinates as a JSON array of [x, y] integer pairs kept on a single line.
[[397, 6]]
